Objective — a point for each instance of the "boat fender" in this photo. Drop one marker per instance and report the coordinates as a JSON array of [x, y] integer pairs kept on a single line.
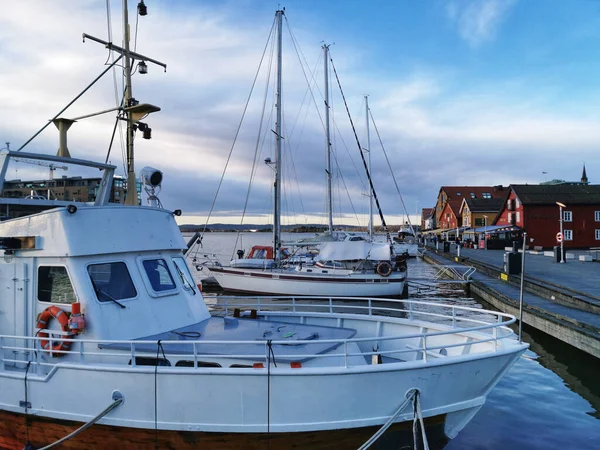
[[384, 268], [42, 323]]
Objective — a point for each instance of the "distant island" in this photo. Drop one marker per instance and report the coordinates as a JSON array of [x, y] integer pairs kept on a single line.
[[311, 228]]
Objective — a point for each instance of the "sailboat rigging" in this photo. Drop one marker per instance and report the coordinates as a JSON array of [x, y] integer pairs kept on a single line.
[[354, 266]]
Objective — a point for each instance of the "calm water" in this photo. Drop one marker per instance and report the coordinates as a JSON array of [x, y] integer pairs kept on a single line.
[[549, 400]]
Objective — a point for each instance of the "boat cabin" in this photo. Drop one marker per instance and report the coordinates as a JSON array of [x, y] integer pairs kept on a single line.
[[130, 283]]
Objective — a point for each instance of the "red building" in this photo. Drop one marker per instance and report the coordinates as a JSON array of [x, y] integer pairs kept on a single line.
[[447, 207], [534, 208]]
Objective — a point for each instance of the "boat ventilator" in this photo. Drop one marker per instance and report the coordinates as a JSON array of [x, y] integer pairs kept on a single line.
[[411, 395], [118, 400]]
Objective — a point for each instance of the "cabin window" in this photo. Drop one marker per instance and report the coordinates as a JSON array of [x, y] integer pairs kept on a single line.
[[159, 275], [187, 281], [568, 216], [54, 285], [111, 281]]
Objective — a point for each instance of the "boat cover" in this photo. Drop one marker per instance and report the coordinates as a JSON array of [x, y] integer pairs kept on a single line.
[[354, 250]]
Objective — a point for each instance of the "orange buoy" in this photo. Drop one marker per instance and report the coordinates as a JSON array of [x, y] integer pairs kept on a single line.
[[53, 312]]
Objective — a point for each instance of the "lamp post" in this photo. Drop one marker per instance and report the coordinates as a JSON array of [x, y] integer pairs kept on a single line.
[[485, 232], [562, 240]]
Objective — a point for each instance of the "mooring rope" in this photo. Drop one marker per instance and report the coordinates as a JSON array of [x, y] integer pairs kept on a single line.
[[269, 354], [27, 406], [412, 395], [159, 348], [85, 426], [418, 420]]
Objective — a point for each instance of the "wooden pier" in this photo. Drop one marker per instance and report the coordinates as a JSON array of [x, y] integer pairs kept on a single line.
[[560, 310]]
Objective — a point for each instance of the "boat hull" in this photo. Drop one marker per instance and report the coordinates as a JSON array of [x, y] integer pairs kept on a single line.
[[44, 431], [292, 283]]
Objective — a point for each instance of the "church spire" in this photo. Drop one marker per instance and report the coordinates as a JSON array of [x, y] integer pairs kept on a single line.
[[584, 178]]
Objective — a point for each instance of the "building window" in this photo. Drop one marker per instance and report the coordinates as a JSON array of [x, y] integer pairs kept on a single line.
[[111, 281], [479, 222], [568, 235], [568, 216], [597, 216], [598, 235], [458, 194], [472, 194], [518, 216], [509, 217], [517, 204], [486, 195], [159, 275], [54, 285]]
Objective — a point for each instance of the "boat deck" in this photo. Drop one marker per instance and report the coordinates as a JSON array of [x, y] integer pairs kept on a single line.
[[233, 334]]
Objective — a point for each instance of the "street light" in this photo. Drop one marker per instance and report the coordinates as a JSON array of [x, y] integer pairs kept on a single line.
[[485, 232], [562, 240]]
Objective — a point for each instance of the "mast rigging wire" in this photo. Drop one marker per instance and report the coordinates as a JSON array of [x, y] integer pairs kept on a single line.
[[259, 144], [392, 172], [360, 149]]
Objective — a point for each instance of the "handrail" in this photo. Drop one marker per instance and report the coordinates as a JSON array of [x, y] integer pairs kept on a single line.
[[493, 325]]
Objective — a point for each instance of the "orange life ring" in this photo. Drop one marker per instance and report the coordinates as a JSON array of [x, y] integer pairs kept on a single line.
[[384, 268], [42, 323]]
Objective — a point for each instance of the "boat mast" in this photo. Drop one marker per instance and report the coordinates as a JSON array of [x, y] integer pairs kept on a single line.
[[368, 149], [277, 187], [132, 197], [328, 139]]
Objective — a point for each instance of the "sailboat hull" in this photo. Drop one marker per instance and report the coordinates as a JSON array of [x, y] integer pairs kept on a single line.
[[294, 283]]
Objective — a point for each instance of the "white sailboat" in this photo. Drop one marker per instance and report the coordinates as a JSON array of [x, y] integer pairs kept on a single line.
[[366, 268], [107, 343]]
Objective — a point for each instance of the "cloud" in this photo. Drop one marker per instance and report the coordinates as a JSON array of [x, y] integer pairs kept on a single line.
[[441, 125], [478, 21]]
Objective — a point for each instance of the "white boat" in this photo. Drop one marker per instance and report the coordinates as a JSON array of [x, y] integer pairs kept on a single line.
[[362, 275], [406, 242], [106, 342]]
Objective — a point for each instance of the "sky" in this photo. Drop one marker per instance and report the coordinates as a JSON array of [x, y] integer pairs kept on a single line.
[[462, 92]]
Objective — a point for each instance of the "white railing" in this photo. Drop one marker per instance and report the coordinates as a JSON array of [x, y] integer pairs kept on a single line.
[[476, 325]]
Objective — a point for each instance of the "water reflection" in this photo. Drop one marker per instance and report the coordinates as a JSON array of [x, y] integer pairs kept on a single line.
[[549, 400]]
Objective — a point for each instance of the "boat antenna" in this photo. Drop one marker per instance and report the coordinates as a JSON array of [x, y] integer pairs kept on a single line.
[[132, 109], [327, 138]]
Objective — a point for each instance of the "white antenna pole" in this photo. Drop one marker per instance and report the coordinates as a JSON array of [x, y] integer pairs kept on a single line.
[[327, 136], [132, 197], [368, 149]]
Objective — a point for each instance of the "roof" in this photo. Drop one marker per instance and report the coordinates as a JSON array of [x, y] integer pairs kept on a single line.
[[456, 194], [426, 213], [569, 194], [485, 204]]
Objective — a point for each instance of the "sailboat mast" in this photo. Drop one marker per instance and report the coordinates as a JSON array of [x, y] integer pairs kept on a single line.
[[368, 149], [328, 138], [277, 187], [132, 197]]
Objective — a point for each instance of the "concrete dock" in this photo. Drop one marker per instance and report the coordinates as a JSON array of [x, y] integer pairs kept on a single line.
[[562, 300]]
